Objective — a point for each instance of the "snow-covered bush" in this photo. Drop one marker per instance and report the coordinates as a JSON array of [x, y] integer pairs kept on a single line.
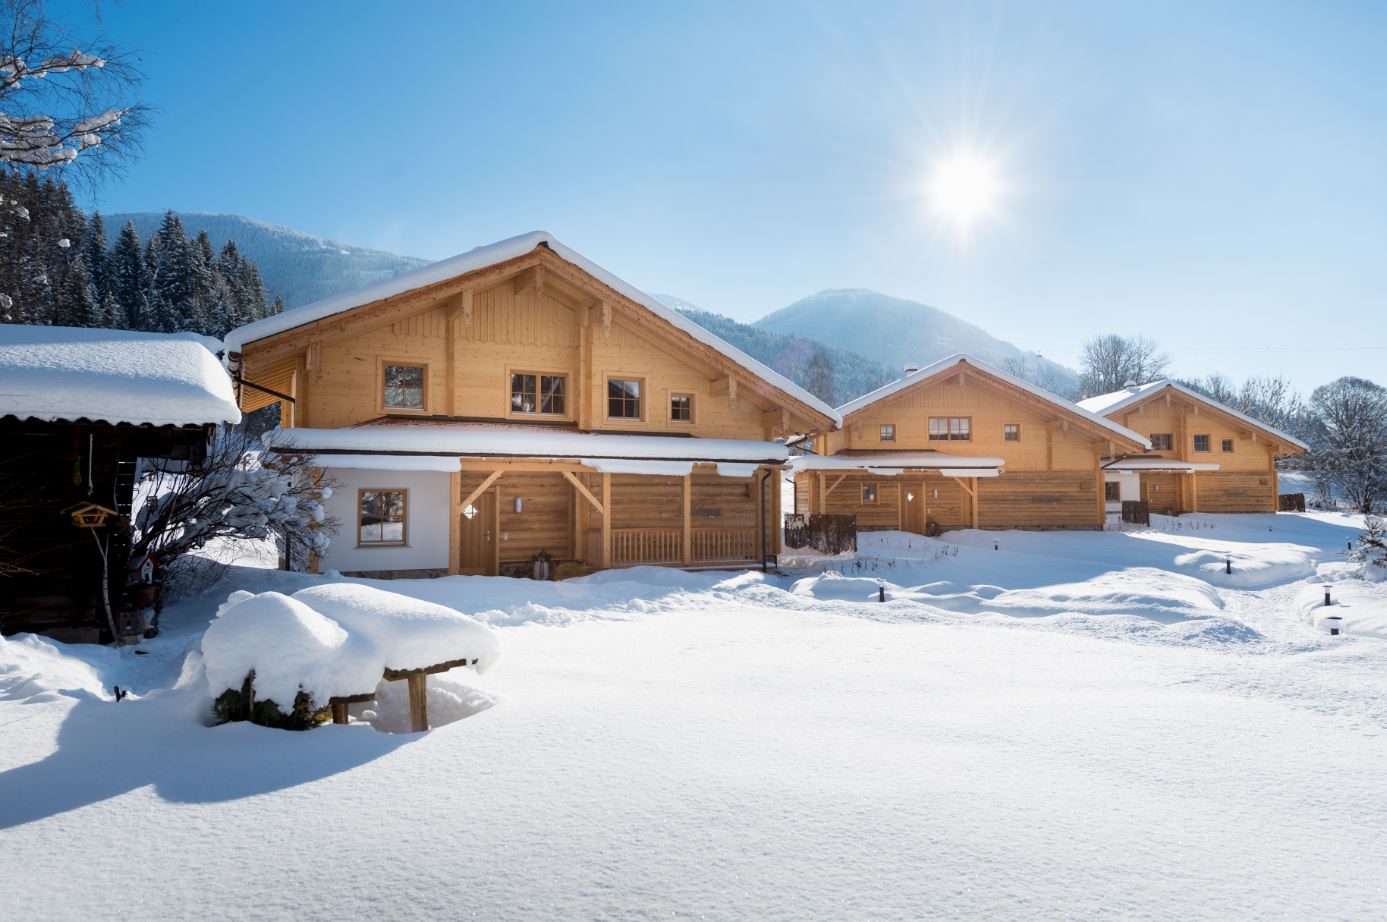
[[1372, 543], [235, 494]]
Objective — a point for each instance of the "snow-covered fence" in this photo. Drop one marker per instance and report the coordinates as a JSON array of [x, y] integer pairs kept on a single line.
[[1291, 502]]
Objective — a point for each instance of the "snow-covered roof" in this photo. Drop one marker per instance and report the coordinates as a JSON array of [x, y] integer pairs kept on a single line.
[[610, 453], [493, 254], [945, 364], [1159, 464], [897, 462], [113, 376], [1117, 401]]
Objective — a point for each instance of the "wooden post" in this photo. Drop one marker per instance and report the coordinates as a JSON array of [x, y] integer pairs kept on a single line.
[[686, 551], [418, 701], [606, 521], [339, 711], [924, 505], [975, 501], [1194, 493], [454, 522], [823, 496]]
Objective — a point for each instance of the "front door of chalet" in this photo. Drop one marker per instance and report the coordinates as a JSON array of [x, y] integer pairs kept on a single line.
[[477, 536]]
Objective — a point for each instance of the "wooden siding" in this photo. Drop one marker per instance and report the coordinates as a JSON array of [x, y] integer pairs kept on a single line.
[[1235, 491], [1162, 492], [1053, 499], [950, 508]]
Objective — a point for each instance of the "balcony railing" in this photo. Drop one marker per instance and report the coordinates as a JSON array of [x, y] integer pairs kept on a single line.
[[632, 546]]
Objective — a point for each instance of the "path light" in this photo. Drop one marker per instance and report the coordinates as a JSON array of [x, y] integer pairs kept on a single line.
[[881, 592], [1327, 600], [996, 545], [1335, 623], [1228, 563]]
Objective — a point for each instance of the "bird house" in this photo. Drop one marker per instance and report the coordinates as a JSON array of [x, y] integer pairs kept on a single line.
[[89, 515]]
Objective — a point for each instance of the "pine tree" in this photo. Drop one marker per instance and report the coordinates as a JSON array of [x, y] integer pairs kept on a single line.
[[79, 301], [818, 376], [278, 307], [94, 252], [129, 278], [112, 316], [1372, 542]]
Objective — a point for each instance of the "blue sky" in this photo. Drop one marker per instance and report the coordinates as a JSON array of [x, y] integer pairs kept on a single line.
[[1213, 175]]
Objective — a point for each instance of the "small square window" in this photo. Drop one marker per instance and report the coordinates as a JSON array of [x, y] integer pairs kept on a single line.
[[403, 387], [681, 408], [1201, 443], [623, 398], [1011, 432], [1162, 441], [1112, 491], [886, 432], [869, 493], [543, 394], [1227, 445], [382, 517]]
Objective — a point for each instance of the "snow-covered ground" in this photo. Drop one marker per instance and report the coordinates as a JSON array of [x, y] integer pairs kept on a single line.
[[1068, 725]]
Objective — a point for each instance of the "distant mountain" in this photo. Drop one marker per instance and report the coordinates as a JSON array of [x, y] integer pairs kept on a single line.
[[853, 375], [298, 267], [894, 331]]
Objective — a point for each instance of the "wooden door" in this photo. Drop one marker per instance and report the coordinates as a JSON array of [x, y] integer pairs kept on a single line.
[[477, 537]]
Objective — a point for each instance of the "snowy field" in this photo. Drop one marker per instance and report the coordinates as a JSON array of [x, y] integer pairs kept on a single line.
[[1066, 726]]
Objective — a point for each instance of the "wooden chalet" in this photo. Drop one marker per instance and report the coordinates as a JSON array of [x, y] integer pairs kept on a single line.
[[1204, 456], [961, 444], [78, 409], [519, 401]]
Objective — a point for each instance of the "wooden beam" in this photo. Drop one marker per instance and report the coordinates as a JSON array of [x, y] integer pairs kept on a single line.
[[686, 549], [482, 488], [841, 478], [586, 387], [583, 491], [454, 526], [823, 496], [450, 361], [974, 493], [314, 361], [1194, 492], [606, 521], [418, 702]]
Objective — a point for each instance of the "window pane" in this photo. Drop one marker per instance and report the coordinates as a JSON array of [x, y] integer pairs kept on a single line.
[[522, 393], [1227, 444], [623, 399], [681, 408], [1201, 443], [404, 387], [887, 432], [1011, 432], [551, 389], [382, 517]]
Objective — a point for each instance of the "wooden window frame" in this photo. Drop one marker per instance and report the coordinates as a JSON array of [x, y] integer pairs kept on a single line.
[[1107, 484], [386, 408], [1006, 426], [881, 432], [404, 524], [1208, 443], [949, 429], [511, 411], [876, 494], [606, 398], [692, 412], [1226, 446], [1168, 440]]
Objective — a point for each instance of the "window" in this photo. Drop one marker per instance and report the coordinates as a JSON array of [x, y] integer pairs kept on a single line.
[[381, 517], [1201, 443], [536, 393], [1011, 432], [1112, 491], [1162, 441], [1227, 445], [869, 493], [681, 408], [623, 398], [886, 432], [950, 428], [404, 387]]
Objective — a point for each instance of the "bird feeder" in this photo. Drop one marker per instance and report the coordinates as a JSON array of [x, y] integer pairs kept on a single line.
[[89, 515]]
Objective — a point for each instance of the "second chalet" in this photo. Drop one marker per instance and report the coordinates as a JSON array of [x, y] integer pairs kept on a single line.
[[518, 403], [961, 444]]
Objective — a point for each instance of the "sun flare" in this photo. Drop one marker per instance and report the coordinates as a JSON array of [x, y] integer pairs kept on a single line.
[[964, 188]]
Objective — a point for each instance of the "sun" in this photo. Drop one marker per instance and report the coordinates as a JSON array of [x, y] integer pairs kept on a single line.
[[964, 188]]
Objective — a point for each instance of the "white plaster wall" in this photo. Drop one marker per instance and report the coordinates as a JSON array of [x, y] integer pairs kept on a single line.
[[427, 521], [1128, 484]]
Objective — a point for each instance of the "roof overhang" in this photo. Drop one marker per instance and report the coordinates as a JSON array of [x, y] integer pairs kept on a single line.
[[1142, 394]]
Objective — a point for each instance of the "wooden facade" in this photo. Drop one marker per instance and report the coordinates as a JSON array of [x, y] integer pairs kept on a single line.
[[480, 344], [1202, 432], [1050, 455]]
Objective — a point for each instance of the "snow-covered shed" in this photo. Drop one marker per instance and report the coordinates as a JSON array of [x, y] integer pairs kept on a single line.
[[78, 408], [518, 403]]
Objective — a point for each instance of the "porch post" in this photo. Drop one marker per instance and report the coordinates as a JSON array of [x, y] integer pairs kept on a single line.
[[686, 552], [975, 501], [606, 521], [1194, 493], [823, 498], [454, 526]]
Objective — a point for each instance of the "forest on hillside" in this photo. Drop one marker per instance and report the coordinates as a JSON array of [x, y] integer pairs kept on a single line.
[[59, 267]]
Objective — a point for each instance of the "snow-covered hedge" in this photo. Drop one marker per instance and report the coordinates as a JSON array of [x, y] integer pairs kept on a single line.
[[334, 641]]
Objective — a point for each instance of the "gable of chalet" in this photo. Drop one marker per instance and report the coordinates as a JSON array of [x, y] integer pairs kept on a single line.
[[968, 370], [1119, 404], [268, 354]]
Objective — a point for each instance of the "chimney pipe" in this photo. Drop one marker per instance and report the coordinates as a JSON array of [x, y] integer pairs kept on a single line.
[[911, 368]]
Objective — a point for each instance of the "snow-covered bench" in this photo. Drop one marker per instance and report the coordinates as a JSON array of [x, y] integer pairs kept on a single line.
[[336, 643]]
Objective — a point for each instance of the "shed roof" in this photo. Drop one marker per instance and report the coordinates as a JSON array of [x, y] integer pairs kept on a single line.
[[113, 376]]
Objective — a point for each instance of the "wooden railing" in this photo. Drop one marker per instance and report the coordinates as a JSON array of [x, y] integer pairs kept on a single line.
[[666, 545], [647, 545], [724, 544]]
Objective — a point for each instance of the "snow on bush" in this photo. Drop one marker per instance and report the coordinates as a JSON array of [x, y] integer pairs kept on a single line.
[[290, 647], [405, 633]]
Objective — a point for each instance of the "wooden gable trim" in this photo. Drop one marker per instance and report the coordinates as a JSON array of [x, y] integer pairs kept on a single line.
[[1270, 440]]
